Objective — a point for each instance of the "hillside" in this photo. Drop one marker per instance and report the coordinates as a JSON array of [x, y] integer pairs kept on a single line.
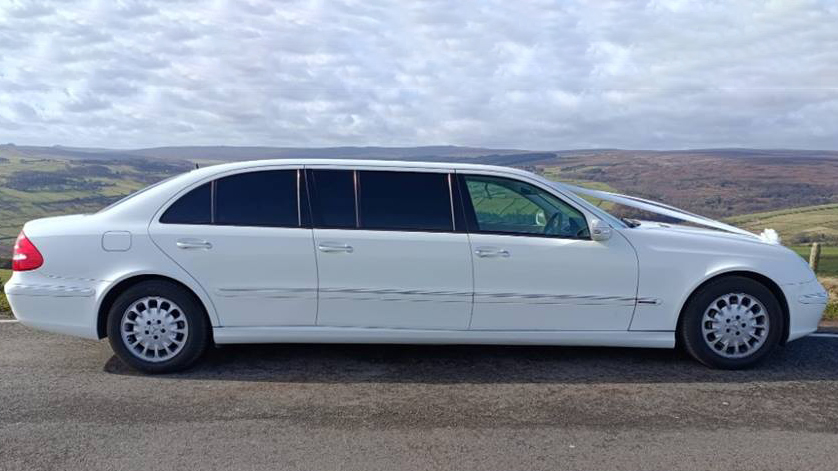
[[795, 225]]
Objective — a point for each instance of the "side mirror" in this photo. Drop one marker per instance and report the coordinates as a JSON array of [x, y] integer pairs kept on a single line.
[[600, 231]]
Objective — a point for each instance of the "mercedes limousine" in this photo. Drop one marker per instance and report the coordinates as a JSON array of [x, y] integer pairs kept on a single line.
[[401, 252]]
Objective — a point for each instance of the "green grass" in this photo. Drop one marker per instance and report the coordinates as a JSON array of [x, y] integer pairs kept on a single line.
[[829, 259], [5, 310]]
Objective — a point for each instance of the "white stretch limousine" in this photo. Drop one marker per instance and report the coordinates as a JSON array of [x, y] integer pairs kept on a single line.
[[401, 252]]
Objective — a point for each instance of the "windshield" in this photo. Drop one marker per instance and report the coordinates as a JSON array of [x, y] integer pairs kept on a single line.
[[599, 212]]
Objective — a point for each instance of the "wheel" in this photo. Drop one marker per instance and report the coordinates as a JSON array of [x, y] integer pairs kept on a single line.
[[731, 323], [157, 327]]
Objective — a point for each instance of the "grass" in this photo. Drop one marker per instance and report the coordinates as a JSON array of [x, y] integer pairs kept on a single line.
[[828, 266], [5, 310], [831, 285]]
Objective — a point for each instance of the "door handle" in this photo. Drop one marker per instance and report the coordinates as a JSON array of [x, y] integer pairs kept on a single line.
[[329, 247], [485, 252], [193, 244]]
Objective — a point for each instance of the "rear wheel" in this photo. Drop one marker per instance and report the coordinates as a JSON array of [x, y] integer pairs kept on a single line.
[[157, 327], [731, 323]]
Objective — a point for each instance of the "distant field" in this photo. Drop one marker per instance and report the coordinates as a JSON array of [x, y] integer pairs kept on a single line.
[[795, 225], [32, 188]]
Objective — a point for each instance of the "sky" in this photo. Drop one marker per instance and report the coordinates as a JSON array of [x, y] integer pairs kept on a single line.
[[551, 75]]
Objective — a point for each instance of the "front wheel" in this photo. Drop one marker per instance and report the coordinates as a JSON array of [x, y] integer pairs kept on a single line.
[[731, 323], [157, 327]]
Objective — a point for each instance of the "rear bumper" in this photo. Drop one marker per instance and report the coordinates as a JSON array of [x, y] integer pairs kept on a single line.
[[807, 302], [55, 304]]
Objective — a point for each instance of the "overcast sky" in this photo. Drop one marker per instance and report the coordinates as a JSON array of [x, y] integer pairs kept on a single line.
[[502, 73]]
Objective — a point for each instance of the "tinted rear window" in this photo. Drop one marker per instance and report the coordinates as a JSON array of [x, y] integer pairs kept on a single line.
[[265, 198], [404, 201], [192, 208], [333, 198]]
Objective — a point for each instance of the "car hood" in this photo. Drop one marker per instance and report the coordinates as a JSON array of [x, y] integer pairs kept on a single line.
[[700, 232]]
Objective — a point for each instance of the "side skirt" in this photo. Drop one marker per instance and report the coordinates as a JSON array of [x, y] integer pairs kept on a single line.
[[647, 339]]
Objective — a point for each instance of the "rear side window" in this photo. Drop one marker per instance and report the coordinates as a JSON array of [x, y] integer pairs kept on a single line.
[[333, 198], [404, 201], [264, 198], [194, 207]]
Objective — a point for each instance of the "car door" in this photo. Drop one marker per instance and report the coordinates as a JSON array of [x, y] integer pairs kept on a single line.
[[535, 265], [389, 252], [244, 238]]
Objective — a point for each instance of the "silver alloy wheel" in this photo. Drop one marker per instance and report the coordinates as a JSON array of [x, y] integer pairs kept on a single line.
[[154, 329], [735, 325]]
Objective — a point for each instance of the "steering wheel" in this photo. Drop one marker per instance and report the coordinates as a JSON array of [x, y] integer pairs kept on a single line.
[[555, 220]]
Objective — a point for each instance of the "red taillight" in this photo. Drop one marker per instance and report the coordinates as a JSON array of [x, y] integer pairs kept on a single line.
[[26, 255]]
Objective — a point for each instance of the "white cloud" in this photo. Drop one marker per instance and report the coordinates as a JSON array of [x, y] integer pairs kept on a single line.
[[530, 74]]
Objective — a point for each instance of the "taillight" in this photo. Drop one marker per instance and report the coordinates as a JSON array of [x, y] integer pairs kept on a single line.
[[26, 255]]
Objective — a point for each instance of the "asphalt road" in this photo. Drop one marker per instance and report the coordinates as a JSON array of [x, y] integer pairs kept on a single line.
[[69, 404]]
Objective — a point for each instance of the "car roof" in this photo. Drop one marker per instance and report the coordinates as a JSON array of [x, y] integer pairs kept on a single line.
[[357, 163]]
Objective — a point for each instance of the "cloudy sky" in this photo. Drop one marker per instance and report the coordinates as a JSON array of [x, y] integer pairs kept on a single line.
[[498, 73]]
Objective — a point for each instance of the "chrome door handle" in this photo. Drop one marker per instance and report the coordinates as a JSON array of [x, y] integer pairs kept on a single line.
[[328, 247], [193, 244], [484, 252]]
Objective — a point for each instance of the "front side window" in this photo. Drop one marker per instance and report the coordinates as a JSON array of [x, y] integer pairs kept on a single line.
[[509, 206], [264, 198], [412, 201]]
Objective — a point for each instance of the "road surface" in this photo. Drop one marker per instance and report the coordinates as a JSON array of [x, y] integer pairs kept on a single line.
[[69, 404]]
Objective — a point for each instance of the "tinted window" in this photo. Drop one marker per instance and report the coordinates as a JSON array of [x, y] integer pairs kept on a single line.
[[404, 200], [192, 208], [333, 198], [266, 198], [509, 206]]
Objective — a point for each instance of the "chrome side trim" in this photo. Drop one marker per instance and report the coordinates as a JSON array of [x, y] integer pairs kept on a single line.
[[424, 295], [266, 292], [649, 301], [813, 298], [18, 289], [553, 299], [394, 291]]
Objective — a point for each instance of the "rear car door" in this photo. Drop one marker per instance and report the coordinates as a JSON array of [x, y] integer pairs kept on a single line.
[[245, 238], [389, 251], [535, 265]]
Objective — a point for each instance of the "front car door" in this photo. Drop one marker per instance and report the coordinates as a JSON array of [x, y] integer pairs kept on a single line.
[[244, 238], [535, 265], [389, 251]]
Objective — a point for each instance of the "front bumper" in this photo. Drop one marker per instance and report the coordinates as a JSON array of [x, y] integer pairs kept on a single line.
[[807, 302]]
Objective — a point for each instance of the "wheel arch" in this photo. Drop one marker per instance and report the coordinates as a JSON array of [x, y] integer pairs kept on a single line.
[[118, 288], [759, 278]]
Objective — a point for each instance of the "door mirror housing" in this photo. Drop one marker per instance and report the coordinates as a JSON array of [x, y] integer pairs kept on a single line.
[[600, 231]]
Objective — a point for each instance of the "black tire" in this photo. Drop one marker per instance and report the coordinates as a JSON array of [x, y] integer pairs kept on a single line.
[[195, 343], [690, 330]]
